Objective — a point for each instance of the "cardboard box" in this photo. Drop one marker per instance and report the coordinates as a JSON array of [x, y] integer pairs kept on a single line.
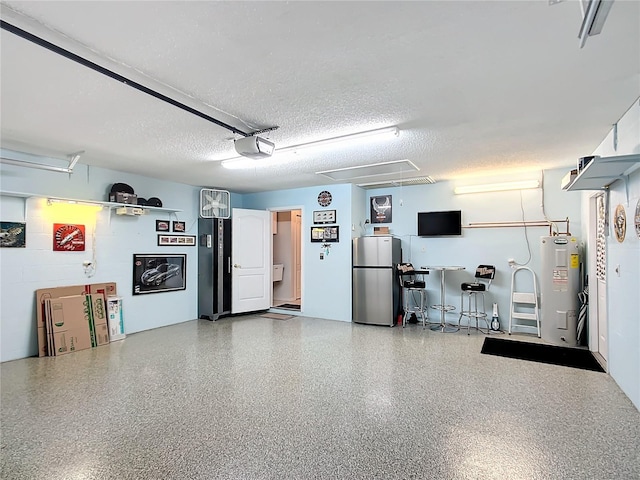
[[116, 318], [381, 230], [99, 318], [57, 292], [69, 324], [49, 294], [102, 334]]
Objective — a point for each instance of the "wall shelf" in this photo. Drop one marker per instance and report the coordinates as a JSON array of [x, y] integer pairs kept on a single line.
[[109, 205], [602, 172]]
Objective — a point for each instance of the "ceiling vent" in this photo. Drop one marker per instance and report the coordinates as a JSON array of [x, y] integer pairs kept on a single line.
[[394, 167], [398, 183]]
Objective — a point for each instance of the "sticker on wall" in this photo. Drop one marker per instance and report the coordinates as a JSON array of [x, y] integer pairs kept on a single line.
[[68, 238], [381, 209], [12, 234], [637, 218], [620, 223]]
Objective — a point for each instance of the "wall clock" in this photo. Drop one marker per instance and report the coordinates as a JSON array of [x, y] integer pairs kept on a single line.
[[324, 198], [68, 238]]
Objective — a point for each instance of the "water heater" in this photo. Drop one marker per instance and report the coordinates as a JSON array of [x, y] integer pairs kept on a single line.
[[559, 287]]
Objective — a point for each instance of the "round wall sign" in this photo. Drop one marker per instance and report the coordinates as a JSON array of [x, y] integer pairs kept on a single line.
[[324, 198], [620, 223]]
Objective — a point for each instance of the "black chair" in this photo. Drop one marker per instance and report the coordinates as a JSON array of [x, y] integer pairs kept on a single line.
[[412, 288], [472, 290]]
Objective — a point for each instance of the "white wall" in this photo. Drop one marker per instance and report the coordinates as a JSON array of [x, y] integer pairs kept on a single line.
[[623, 300], [117, 238], [326, 283]]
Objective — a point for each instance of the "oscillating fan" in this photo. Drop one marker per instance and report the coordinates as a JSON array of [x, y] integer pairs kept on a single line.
[[214, 203]]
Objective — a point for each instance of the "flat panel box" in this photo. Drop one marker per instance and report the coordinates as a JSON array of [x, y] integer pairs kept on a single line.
[[115, 318]]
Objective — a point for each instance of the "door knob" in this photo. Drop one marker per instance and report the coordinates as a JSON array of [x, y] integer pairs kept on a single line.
[[235, 265]]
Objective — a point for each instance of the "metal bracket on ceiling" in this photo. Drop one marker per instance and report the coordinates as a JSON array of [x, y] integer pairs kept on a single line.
[[120, 78]]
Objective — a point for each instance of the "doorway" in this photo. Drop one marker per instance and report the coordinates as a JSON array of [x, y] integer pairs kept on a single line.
[[287, 259], [597, 279]]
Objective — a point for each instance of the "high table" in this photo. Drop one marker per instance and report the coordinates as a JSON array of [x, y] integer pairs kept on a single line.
[[443, 307]]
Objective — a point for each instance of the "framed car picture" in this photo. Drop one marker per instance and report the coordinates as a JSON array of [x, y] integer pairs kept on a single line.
[[169, 240], [178, 226], [153, 273], [162, 225]]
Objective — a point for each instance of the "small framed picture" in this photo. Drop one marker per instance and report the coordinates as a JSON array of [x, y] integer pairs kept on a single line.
[[178, 227], [162, 225], [168, 240], [325, 234], [13, 234], [324, 216]]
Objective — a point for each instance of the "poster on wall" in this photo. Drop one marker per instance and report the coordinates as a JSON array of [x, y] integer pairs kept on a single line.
[[13, 234], [68, 238], [153, 273], [381, 209]]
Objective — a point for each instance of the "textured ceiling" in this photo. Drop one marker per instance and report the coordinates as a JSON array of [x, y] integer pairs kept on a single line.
[[476, 88]]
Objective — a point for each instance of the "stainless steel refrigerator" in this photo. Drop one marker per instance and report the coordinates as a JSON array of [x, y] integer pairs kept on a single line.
[[376, 291]]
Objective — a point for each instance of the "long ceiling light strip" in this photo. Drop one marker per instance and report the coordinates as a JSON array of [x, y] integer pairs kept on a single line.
[[379, 134], [371, 135], [116, 76], [497, 187]]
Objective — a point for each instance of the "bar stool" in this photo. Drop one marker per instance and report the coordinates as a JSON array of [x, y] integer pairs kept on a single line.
[[413, 289], [484, 275]]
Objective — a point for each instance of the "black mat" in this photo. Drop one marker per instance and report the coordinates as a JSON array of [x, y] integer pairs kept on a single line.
[[290, 306], [537, 352]]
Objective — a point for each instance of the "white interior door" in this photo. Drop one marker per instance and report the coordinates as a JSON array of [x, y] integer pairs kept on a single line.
[[297, 242], [251, 260]]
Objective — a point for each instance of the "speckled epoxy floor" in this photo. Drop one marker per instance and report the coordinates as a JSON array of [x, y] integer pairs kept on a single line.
[[258, 398]]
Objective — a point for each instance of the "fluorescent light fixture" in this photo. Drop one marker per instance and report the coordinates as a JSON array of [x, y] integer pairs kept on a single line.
[[370, 135], [343, 140], [51, 201], [497, 187], [595, 14]]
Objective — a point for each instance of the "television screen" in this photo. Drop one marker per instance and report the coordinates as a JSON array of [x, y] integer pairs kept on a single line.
[[433, 224]]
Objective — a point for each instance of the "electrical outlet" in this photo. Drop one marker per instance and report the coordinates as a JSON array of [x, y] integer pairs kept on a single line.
[[423, 249]]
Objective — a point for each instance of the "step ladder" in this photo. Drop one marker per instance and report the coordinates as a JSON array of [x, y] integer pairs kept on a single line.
[[524, 300]]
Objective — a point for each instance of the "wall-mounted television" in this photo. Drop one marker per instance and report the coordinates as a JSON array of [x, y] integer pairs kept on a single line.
[[435, 224]]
